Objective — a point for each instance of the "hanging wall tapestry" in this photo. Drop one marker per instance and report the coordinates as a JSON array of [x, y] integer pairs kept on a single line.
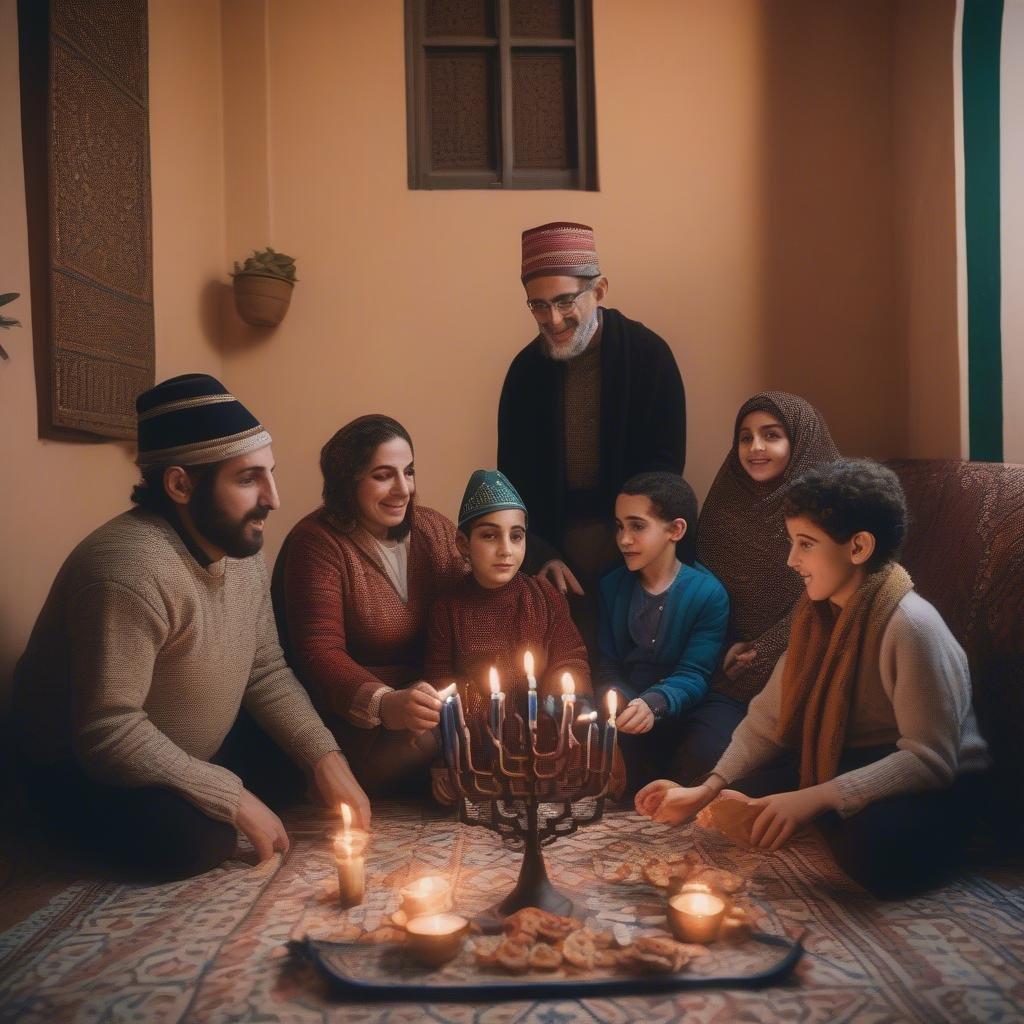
[[100, 266]]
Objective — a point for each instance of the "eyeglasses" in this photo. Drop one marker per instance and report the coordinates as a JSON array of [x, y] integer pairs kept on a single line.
[[563, 303]]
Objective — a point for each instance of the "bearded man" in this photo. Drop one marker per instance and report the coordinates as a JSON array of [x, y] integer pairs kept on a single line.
[[594, 399], [157, 630]]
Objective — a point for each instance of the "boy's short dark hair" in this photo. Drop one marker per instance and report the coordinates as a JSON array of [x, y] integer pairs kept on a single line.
[[671, 497], [851, 495]]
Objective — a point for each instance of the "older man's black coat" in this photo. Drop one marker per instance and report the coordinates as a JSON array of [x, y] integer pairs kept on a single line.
[[643, 421]]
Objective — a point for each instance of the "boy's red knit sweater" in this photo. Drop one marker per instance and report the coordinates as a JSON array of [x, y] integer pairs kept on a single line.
[[472, 628]]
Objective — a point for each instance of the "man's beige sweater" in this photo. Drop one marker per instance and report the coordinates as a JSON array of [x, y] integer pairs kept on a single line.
[[916, 698], [141, 658]]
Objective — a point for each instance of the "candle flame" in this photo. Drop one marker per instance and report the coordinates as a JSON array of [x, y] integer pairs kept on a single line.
[[427, 885], [448, 691], [613, 704], [528, 666], [495, 681], [568, 685], [590, 716], [346, 819]]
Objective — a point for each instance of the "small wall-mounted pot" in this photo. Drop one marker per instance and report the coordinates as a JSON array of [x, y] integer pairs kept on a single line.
[[262, 299]]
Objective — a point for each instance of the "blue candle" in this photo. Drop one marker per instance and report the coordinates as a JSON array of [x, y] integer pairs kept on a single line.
[[448, 727], [531, 699], [497, 702], [610, 732]]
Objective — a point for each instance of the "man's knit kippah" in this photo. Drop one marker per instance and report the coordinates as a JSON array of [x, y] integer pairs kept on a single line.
[[561, 249], [488, 490], [192, 420]]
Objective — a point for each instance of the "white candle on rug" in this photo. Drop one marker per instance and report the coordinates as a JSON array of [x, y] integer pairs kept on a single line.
[[349, 848]]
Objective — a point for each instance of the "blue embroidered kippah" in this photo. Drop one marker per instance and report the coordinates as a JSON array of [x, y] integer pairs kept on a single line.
[[488, 490]]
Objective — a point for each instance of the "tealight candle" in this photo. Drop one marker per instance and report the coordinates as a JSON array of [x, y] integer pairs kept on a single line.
[[695, 915], [429, 895], [435, 938], [349, 847]]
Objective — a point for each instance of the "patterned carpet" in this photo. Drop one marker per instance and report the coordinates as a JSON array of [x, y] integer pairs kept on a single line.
[[212, 949]]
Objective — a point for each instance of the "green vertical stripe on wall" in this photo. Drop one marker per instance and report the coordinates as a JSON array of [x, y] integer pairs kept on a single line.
[[982, 29]]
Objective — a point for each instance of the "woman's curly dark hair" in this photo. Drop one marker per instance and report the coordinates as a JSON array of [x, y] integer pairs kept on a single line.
[[851, 495], [343, 461]]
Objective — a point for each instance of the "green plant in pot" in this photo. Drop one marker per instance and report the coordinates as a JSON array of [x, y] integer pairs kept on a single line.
[[263, 287]]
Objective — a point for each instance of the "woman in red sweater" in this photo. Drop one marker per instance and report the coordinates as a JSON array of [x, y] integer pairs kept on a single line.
[[354, 584]]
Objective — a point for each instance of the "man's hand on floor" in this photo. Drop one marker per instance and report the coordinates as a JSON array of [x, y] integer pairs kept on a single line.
[[337, 785], [261, 826]]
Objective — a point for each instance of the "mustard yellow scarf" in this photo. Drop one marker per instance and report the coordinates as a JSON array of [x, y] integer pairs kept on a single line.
[[822, 664]]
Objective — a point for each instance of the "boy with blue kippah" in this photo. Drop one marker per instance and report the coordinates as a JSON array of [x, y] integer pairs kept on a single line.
[[496, 613], [661, 631]]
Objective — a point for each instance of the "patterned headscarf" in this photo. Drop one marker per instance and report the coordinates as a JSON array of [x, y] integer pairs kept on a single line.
[[741, 537]]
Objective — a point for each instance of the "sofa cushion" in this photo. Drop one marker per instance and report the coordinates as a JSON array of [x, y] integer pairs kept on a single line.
[[965, 552]]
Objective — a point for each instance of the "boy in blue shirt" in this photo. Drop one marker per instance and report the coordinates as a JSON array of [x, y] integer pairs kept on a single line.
[[662, 626]]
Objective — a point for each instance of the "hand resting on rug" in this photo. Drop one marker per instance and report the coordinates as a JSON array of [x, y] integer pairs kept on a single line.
[[670, 804], [261, 826]]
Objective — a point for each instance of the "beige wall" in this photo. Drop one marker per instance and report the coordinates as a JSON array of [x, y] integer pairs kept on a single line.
[[745, 213], [925, 223], [751, 181]]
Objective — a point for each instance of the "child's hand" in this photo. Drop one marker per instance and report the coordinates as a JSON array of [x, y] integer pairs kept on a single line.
[[637, 717], [784, 814], [670, 804], [737, 658]]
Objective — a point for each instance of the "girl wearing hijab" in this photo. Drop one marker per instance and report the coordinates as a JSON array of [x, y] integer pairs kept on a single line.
[[741, 538]]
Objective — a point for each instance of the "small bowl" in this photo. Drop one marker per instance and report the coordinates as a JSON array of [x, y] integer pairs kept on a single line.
[[434, 939], [695, 914]]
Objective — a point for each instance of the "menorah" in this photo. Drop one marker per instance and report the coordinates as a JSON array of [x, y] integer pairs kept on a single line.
[[502, 781]]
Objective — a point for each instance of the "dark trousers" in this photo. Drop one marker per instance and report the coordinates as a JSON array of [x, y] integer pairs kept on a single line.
[[682, 749], [898, 846], [151, 832]]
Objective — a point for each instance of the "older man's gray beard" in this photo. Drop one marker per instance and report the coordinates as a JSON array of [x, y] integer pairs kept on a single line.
[[580, 340]]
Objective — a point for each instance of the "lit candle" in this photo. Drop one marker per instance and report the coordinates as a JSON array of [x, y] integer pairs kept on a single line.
[[497, 703], [349, 847], [695, 915], [610, 731], [449, 691], [429, 895], [531, 682], [435, 938]]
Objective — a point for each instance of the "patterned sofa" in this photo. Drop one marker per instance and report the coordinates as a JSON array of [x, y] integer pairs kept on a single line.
[[965, 552]]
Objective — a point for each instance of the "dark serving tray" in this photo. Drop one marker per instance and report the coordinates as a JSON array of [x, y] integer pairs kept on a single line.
[[398, 981]]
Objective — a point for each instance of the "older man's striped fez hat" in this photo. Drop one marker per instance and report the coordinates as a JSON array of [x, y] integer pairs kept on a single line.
[[559, 249], [193, 420]]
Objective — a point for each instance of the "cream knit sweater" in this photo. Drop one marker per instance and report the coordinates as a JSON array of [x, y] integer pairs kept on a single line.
[[918, 698], [141, 658]]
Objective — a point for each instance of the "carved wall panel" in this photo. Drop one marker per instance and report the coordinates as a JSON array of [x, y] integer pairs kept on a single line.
[[543, 103], [100, 244], [543, 19], [460, 17], [461, 91]]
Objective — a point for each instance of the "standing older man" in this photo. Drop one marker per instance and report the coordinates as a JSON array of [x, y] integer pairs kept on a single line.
[[592, 400], [156, 631]]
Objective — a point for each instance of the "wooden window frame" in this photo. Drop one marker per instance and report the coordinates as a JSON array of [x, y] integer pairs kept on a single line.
[[422, 176]]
